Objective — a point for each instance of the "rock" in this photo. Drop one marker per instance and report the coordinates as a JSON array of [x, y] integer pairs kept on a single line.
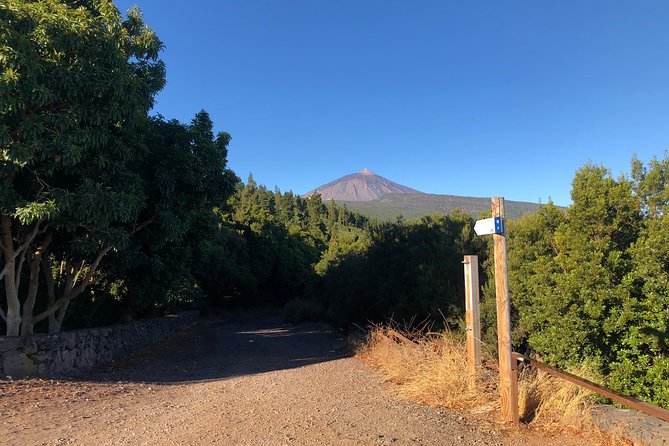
[[8, 344], [51, 355], [18, 365]]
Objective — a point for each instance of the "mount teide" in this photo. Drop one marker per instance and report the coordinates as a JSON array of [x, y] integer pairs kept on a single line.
[[378, 197], [363, 186]]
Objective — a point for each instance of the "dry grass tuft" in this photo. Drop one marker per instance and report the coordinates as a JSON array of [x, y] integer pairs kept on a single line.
[[432, 369], [554, 404]]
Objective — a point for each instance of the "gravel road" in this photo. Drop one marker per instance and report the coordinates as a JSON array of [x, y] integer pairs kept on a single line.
[[243, 380]]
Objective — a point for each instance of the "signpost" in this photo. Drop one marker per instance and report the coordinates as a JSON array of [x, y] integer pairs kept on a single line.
[[473, 312], [508, 377]]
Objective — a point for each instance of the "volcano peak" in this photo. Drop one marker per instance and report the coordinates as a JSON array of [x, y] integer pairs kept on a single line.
[[362, 186]]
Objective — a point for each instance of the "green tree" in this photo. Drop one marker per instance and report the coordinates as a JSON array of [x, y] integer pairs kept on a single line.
[[569, 275], [650, 185], [640, 359], [592, 283], [407, 271], [532, 274], [641, 364], [184, 179], [76, 82]]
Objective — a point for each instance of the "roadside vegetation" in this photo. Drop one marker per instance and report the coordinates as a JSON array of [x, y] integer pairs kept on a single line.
[[431, 369]]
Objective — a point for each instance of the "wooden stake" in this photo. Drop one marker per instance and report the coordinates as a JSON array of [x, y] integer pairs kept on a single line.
[[508, 378], [473, 313]]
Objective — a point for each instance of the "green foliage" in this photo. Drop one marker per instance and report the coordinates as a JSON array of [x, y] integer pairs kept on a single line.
[[281, 237], [126, 198], [184, 178], [78, 82], [414, 206], [405, 271], [592, 283]]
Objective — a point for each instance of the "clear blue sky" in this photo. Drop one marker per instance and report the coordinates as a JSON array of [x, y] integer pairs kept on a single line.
[[455, 97]]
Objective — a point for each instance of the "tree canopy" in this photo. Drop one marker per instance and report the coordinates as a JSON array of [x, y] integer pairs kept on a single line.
[[85, 171], [590, 284]]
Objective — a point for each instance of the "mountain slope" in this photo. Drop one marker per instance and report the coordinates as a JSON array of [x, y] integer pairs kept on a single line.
[[416, 205], [363, 186], [378, 197]]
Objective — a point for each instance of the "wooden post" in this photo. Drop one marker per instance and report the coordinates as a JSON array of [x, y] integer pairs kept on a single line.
[[508, 378], [473, 313]]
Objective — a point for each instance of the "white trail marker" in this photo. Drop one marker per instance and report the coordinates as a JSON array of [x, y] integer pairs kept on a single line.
[[487, 226]]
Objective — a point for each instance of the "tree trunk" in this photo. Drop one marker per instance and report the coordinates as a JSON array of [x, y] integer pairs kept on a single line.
[[47, 271], [56, 322], [27, 324], [11, 272], [13, 314]]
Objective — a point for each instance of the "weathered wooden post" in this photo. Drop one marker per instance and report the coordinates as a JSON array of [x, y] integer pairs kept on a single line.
[[508, 377], [472, 312]]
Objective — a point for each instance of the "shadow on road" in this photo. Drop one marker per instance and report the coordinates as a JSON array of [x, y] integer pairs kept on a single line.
[[228, 347]]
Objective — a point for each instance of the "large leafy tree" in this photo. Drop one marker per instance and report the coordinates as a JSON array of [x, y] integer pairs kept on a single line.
[[592, 255], [567, 271], [171, 257], [641, 364], [76, 83], [184, 177], [592, 283]]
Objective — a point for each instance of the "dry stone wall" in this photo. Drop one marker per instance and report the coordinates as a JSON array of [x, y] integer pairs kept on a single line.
[[78, 350]]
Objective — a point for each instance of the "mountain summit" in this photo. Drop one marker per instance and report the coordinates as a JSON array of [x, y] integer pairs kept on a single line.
[[362, 186]]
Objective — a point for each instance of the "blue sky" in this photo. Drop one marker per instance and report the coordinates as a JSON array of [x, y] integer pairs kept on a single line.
[[478, 98]]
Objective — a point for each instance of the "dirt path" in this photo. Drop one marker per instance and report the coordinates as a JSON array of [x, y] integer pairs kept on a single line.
[[242, 381]]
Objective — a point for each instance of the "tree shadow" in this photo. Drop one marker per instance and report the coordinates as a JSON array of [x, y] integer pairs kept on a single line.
[[226, 348]]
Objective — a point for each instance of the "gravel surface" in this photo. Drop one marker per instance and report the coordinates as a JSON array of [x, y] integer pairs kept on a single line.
[[244, 380]]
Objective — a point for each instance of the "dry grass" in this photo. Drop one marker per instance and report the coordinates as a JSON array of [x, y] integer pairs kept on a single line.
[[552, 403], [432, 370]]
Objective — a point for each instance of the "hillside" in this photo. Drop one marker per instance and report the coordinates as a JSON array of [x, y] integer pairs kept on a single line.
[[416, 205], [378, 197]]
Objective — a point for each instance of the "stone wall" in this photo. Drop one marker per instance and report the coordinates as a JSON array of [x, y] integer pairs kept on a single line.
[[78, 350]]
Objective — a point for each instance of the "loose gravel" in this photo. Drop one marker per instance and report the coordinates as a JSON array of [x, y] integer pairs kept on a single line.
[[244, 380]]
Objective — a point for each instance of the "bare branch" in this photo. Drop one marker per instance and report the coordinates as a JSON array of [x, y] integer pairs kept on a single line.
[[4, 271], [29, 305], [61, 314], [9, 253], [69, 280]]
